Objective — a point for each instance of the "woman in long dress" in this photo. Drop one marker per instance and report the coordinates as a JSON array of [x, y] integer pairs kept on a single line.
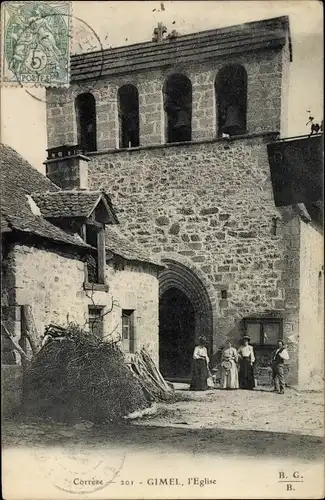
[[246, 363], [229, 372], [200, 371]]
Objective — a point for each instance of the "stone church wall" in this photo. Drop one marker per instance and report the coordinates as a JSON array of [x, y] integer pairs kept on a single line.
[[311, 318], [213, 204]]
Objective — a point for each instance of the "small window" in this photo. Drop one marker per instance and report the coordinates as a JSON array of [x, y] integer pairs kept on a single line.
[[128, 107], [94, 235], [96, 321], [177, 92], [274, 226], [128, 330], [264, 331], [85, 105]]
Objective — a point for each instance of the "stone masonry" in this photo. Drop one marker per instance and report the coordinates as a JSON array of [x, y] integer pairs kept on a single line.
[[207, 204], [55, 276], [267, 82], [212, 204]]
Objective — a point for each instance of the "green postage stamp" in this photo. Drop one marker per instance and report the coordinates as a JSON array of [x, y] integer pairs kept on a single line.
[[36, 43]]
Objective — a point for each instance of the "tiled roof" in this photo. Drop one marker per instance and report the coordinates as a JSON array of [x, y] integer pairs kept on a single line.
[[71, 203], [35, 224], [118, 244], [248, 37], [17, 180]]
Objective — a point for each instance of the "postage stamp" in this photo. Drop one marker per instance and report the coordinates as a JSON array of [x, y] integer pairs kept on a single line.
[[36, 43]]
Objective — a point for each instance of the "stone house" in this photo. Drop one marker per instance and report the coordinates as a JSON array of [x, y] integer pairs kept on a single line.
[[176, 130], [63, 255]]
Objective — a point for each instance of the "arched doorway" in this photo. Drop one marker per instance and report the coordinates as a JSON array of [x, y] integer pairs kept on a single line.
[[176, 333], [185, 313]]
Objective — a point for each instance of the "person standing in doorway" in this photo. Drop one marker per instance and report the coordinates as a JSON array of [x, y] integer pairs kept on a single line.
[[246, 363], [200, 371], [279, 356]]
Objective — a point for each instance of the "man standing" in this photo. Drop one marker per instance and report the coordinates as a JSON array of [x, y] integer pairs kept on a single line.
[[279, 356]]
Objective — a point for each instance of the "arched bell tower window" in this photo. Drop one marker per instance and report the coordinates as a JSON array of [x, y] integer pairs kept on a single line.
[[177, 92], [231, 100], [85, 105], [128, 108]]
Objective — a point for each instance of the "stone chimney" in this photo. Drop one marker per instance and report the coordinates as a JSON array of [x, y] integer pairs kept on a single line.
[[67, 167]]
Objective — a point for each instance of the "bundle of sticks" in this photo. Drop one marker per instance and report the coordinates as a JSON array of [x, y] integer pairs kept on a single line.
[[77, 375], [149, 377], [53, 332]]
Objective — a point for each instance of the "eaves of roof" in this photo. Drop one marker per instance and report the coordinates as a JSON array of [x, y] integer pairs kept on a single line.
[[74, 203], [195, 47]]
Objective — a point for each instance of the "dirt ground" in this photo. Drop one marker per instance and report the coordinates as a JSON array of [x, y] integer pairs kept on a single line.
[[261, 409], [294, 413], [214, 434]]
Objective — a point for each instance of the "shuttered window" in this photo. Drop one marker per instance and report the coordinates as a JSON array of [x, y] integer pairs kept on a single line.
[[263, 331]]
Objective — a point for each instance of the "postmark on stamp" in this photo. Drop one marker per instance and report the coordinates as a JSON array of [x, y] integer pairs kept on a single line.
[[36, 43]]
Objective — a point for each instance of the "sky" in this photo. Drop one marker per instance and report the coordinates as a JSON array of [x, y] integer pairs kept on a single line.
[[23, 122]]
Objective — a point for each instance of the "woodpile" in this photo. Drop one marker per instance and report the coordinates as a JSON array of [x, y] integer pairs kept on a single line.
[[72, 373], [150, 378], [77, 375]]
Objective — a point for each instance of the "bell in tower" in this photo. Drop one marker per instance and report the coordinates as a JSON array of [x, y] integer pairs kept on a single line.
[[178, 107], [232, 124], [182, 126], [231, 95]]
